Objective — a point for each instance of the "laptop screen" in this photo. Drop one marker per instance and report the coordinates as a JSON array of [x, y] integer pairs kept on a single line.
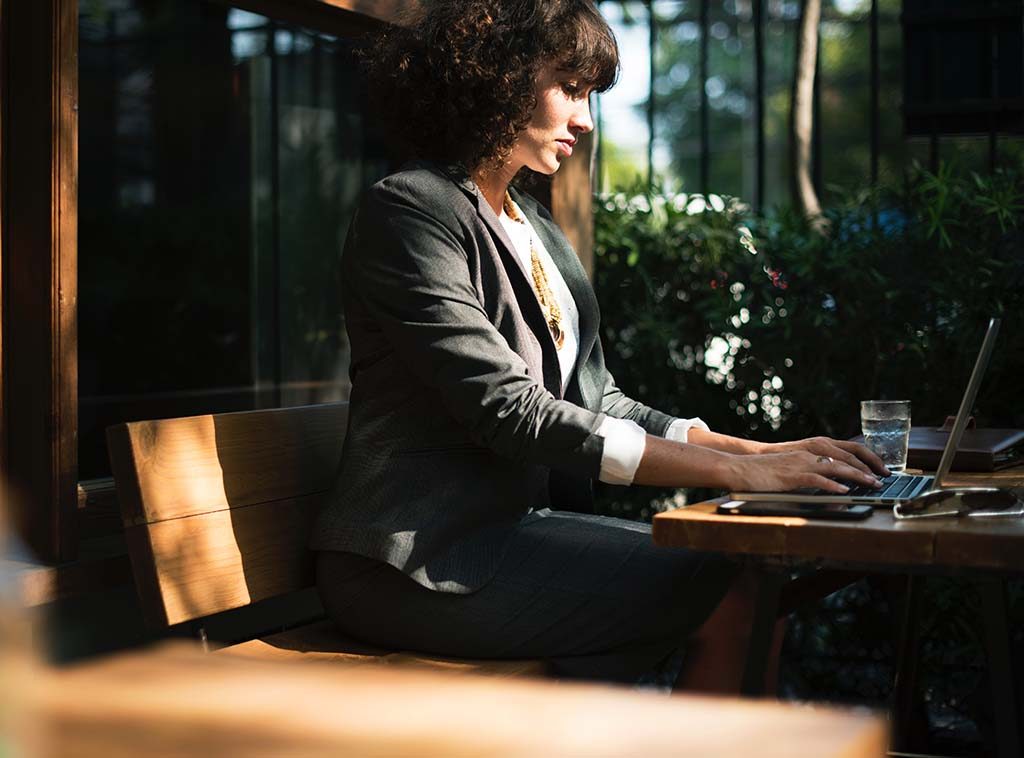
[[967, 403]]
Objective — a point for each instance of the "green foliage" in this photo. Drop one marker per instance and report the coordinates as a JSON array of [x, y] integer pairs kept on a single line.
[[844, 87], [765, 328]]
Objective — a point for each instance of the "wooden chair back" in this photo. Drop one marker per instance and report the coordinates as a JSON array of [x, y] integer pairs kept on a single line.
[[217, 509]]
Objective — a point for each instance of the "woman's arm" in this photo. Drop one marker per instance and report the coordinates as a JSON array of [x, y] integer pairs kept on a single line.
[[851, 453], [671, 464]]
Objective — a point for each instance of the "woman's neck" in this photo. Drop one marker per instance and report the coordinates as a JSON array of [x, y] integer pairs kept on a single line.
[[493, 184]]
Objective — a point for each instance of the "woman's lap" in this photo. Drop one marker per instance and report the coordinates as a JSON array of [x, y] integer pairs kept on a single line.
[[592, 595]]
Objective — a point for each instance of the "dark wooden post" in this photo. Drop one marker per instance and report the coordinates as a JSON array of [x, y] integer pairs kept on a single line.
[[40, 358], [572, 203]]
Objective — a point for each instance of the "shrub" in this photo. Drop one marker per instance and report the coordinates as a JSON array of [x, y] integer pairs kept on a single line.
[[766, 328]]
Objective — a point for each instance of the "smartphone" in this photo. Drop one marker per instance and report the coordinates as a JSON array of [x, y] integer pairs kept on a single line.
[[835, 511]]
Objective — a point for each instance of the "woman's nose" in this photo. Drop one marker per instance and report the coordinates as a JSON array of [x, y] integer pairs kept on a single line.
[[582, 121]]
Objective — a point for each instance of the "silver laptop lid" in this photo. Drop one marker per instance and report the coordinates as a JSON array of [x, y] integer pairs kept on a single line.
[[967, 403]]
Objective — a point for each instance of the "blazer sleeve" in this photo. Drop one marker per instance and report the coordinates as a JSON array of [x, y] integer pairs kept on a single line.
[[411, 273], [614, 402]]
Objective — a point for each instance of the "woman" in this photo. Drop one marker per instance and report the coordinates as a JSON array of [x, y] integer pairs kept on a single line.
[[480, 400]]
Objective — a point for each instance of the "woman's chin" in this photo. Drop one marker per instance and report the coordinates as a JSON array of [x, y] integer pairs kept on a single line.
[[548, 168]]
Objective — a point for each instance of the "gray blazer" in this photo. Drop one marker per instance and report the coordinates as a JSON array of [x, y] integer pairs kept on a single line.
[[456, 415]]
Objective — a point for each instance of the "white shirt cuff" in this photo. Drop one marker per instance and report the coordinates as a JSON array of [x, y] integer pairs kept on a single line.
[[679, 430], [624, 443]]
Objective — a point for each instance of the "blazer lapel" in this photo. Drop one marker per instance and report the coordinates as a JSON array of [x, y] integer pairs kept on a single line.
[[573, 273], [522, 280]]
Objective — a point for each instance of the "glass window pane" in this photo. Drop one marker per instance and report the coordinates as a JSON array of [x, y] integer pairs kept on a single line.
[[677, 146], [780, 28], [845, 94], [892, 154], [221, 155], [624, 133], [730, 91]]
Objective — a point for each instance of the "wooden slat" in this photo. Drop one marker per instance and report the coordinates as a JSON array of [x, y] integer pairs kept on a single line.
[[192, 567], [179, 702], [968, 543], [1009, 478], [996, 544], [880, 539], [40, 584], [322, 642], [99, 513], [981, 543], [4, 494], [182, 467], [495, 668], [40, 272]]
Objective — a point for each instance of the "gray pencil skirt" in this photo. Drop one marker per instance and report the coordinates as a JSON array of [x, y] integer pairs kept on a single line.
[[591, 595]]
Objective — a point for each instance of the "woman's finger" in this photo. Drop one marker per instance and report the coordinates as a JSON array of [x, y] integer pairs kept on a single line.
[[864, 454], [819, 482], [850, 460], [845, 472], [830, 447]]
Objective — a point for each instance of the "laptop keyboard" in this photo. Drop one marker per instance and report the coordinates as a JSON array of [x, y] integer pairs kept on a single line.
[[892, 487]]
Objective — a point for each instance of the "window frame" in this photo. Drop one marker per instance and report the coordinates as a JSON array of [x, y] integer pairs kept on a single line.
[[51, 509]]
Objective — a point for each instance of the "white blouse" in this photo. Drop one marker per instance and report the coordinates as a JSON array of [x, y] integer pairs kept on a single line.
[[624, 440]]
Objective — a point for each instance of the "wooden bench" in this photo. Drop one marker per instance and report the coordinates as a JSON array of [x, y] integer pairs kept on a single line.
[[217, 512], [173, 701]]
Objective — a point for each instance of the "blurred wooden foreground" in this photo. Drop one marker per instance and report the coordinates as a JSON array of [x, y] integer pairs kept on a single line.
[[175, 700]]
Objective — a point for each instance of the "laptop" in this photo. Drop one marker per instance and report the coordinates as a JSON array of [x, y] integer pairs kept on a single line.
[[898, 488]]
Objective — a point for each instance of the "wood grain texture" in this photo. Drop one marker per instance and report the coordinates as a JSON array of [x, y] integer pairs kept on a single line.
[[4, 494], [981, 543], [967, 543], [572, 201], [878, 538], [40, 272], [1008, 477], [218, 508], [188, 568], [178, 702], [174, 468], [99, 513]]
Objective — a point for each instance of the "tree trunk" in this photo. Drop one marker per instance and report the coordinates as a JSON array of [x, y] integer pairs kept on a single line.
[[802, 110]]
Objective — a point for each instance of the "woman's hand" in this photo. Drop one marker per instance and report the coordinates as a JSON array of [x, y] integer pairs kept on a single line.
[[768, 468], [851, 453], [785, 471]]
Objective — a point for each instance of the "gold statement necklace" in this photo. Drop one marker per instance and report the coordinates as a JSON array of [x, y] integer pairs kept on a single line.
[[548, 304]]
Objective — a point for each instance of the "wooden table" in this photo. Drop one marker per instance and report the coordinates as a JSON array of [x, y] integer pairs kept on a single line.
[[176, 700], [988, 549]]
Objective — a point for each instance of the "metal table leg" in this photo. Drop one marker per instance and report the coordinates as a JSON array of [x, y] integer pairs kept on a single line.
[[1000, 668], [906, 727], [766, 613]]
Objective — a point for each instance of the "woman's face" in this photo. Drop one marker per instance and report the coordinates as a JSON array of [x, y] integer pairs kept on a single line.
[[561, 115]]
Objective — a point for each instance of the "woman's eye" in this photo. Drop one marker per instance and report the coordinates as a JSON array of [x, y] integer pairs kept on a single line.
[[572, 89]]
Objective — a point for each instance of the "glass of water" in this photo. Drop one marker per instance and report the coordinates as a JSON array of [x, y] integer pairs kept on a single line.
[[886, 428]]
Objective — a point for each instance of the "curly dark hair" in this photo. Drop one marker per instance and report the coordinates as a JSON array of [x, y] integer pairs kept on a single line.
[[455, 82]]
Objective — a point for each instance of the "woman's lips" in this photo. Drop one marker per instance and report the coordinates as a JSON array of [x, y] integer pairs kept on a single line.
[[565, 147]]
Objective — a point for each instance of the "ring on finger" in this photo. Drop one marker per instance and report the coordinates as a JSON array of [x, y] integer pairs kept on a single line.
[[825, 459]]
